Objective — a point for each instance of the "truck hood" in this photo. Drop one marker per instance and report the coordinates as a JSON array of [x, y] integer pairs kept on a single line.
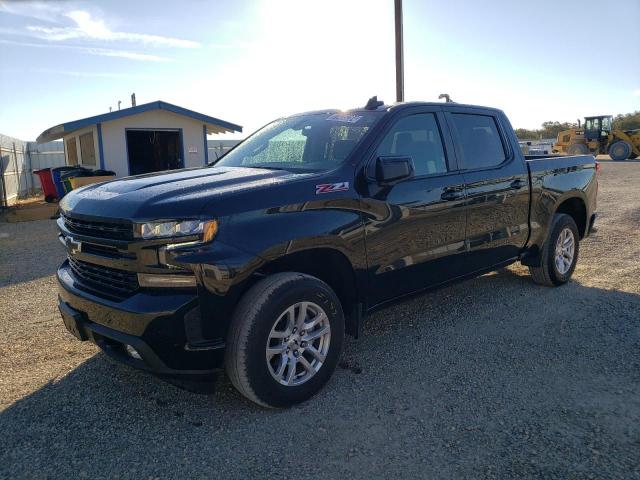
[[177, 194]]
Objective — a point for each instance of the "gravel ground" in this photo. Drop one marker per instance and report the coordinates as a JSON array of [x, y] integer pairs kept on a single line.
[[492, 378]]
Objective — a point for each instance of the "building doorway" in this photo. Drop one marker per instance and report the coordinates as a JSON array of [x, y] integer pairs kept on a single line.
[[154, 150]]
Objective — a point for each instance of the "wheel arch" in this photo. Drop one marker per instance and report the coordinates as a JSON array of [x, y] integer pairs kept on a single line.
[[332, 267], [576, 208]]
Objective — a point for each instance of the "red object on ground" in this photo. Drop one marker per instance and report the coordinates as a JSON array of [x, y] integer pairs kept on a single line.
[[48, 187]]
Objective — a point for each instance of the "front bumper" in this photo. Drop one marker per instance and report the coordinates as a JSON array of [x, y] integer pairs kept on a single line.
[[152, 322]]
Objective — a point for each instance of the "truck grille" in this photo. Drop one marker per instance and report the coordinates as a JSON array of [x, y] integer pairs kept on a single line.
[[116, 231], [113, 281]]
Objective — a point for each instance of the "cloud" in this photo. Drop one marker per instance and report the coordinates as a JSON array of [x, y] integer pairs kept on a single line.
[[108, 52], [105, 52], [45, 11], [70, 73], [87, 27]]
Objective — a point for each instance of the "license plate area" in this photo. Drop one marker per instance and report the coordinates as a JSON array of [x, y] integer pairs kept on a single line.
[[72, 320]]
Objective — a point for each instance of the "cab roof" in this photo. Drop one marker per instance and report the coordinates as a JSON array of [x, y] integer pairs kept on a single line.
[[397, 106]]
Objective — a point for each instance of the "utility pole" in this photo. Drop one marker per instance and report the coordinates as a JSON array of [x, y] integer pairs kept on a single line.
[[399, 53]]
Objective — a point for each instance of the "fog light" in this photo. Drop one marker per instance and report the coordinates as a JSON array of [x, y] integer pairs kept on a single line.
[[155, 280], [133, 353]]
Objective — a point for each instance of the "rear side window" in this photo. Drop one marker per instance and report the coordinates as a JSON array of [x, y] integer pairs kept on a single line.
[[418, 137], [480, 141]]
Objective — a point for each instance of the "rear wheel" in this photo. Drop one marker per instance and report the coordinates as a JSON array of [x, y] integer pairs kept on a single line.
[[559, 254], [578, 149], [284, 340], [620, 150]]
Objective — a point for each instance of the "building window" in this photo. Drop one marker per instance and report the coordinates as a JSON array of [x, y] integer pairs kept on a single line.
[[87, 150], [72, 151]]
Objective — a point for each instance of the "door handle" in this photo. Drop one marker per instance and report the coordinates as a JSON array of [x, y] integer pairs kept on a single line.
[[518, 184], [452, 194]]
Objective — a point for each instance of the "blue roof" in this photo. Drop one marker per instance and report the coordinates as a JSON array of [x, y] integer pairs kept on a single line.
[[214, 125]]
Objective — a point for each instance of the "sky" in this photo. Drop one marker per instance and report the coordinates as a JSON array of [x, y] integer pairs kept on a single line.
[[249, 62]]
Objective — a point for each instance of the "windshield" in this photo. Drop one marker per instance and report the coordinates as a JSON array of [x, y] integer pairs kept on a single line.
[[311, 142]]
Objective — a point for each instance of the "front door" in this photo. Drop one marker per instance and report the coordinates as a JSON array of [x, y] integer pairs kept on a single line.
[[415, 229]]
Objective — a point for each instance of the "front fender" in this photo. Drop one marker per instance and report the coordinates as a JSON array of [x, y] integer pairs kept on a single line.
[[334, 223]]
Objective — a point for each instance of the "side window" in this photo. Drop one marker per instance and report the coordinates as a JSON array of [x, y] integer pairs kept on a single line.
[[418, 137], [480, 141]]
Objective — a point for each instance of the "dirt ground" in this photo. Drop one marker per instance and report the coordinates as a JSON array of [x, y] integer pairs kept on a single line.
[[495, 377]]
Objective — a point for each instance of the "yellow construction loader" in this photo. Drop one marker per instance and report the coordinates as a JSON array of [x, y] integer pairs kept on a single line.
[[599, 137]]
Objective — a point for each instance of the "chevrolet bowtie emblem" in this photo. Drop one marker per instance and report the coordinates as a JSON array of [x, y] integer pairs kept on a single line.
[[74, 246]]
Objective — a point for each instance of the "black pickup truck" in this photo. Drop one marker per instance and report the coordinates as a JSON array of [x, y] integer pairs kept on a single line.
[[261, 262]]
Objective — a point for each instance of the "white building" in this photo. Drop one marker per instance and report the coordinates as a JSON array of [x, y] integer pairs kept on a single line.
[[146, 138]]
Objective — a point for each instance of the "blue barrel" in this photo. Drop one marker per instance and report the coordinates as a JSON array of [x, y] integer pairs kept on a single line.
[[57, 180]]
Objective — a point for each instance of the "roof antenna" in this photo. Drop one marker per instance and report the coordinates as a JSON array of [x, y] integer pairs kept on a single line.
[[446, 97], [119, 102], [133, 99], [110, 109], [373, 103]]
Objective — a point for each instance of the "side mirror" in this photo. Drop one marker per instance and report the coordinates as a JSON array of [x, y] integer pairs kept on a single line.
[[394, 169]]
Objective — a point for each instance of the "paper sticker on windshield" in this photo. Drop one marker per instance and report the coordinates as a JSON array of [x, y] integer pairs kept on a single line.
[[332, 187], [344, 117]]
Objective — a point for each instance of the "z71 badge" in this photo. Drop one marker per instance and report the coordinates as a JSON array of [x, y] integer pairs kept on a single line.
[[332, 187]]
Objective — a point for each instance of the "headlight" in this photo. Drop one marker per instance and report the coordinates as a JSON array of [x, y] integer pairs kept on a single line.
[[185, 228]]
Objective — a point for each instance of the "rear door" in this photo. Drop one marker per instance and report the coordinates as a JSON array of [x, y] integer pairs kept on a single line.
[[497, 186], [415, 229]]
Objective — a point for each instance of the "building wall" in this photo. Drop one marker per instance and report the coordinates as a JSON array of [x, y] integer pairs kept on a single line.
[[115, 144]]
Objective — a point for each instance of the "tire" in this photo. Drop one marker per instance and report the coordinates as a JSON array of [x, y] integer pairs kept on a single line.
[[620, 150], [578, 149], [549, 273], [263, 313]]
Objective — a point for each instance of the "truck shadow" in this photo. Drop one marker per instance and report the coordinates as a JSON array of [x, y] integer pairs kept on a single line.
[[520, 342]]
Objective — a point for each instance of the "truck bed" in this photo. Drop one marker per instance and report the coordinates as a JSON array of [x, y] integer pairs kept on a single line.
[[540, 163]]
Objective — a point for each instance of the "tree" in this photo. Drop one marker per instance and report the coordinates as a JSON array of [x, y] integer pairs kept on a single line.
[[551, 129], [525, 134], [627, 121]]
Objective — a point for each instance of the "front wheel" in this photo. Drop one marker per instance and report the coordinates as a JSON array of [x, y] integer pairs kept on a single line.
[[559, 254], [578, 149], [284, 340]]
